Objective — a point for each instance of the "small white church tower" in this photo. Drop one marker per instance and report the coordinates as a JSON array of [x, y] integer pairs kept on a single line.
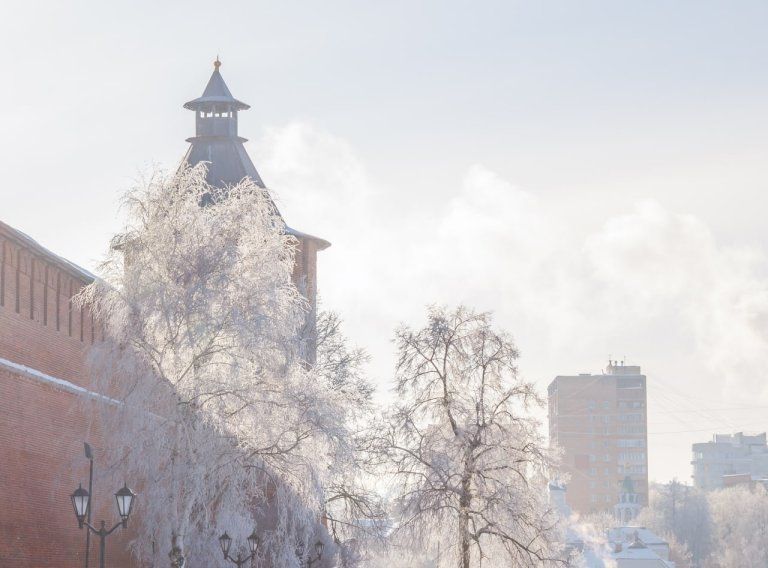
[[628, 506]]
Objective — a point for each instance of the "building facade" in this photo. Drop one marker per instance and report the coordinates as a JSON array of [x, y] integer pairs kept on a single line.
[[729, 459], [599, 422], [44, 342]]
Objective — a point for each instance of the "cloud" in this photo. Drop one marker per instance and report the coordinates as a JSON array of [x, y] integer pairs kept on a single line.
[[666, 271], [651, 283]]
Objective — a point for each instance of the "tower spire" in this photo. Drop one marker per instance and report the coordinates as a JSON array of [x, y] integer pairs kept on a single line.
[[216, 139]]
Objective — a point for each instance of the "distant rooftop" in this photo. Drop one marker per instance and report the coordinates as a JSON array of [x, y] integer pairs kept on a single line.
[[614, 368], [740, 439], [624, 546], [619, 368]]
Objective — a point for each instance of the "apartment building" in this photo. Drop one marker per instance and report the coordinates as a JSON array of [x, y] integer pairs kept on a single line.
[[728, 458], [599, 421]]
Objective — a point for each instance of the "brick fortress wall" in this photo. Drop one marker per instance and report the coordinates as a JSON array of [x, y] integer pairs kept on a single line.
[[43, 343], [44, 340]]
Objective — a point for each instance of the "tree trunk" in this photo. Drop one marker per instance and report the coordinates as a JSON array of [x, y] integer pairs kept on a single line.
[[465, 502]]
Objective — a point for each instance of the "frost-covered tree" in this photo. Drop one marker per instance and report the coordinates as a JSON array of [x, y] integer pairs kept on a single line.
[[218, 421], [357, 520], [719, 529], [678, 552], [681, 513], [467, 460], [740, 521]]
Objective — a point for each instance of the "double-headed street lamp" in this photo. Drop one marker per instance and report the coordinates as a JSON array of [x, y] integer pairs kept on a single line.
[[225, 541], [319, 547], [81, 501]]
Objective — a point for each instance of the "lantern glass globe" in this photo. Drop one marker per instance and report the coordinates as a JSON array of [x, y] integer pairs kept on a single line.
[[253, 542], [225, 542], [125, 499], [80, 500]]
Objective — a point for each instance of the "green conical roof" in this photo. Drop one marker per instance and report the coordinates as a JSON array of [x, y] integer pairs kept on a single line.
[[627, 486]]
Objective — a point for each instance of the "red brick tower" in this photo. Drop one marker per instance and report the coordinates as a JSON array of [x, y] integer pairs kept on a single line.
[[218, 144]]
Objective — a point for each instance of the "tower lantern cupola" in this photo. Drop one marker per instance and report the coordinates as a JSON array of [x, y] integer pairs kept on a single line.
[[216, 110], [216, 139]]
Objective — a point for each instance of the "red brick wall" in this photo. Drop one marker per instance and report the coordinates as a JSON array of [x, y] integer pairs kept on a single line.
[[42, 427], [39, 325]]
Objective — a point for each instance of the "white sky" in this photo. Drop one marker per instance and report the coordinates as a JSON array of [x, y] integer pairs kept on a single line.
[[593, 172]]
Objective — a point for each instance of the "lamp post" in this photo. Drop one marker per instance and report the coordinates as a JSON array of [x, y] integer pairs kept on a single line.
[[81, 501], [319, 547], [225, 541], [89, 457]]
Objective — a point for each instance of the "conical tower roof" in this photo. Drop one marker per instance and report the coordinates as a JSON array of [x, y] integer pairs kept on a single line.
[[216, 94], [217, 143]]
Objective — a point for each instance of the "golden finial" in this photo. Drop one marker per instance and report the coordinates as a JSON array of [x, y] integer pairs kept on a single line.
[[217, 63]]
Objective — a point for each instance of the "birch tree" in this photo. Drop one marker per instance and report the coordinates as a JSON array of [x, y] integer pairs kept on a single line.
[[354, 510], [467, 460], [739, 527], [681, 513], [217, 420]]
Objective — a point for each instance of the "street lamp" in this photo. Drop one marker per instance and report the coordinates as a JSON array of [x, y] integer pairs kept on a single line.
[[225, 542], [319, 547], [124, 498], [81, 501]]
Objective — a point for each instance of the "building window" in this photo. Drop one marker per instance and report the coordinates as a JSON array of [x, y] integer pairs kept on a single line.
[[18, 281], [32, 288], [2, 273], [45, 297], [58, 301], [70, 308]]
